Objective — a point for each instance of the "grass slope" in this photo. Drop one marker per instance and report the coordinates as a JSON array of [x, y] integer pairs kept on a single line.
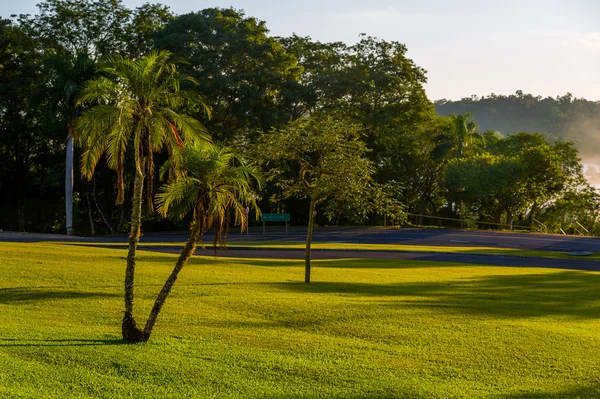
[[251, 329]]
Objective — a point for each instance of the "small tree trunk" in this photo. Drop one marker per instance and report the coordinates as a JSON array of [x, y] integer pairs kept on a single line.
[[21, 214], [92, 228], [130, 331], [498, 219], [187, 251], [311, 222], [98, 207], [121, 218], [421, 211], [509, 219], [69, 181]]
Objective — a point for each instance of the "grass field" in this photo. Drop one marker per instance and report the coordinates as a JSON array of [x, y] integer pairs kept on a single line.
[[251, 329]]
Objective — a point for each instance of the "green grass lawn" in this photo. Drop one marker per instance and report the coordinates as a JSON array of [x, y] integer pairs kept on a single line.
[[252, 329]]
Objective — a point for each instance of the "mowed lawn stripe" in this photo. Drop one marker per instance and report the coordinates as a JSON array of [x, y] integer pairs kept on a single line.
[[250, 328]]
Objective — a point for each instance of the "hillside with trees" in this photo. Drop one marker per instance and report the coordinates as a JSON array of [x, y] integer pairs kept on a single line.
[[564, 118]]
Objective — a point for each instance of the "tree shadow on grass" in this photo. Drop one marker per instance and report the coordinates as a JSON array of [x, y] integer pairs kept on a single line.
[[59, 342], [565, 293], [33, 294], [577, 392]]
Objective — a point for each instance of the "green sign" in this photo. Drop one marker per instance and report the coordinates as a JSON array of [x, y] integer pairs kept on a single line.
[[275, 217]]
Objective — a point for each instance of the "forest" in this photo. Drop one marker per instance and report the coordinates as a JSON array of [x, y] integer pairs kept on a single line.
[[104, 107]]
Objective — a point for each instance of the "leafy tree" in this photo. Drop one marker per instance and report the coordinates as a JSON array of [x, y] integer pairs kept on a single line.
[[373, 84], [211, 182], [463, 130], [95, 27], [241, 71], [573, 211], [25, 146], [560, 118], [145, 22], [75, 34], [320, 158], [136, 105], [65, 76], [525, 173]]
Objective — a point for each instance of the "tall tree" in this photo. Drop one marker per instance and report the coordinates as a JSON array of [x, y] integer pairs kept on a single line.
[[241, 70], [374, 84], [318, 158], [23, 139], [211, 182], [524, 173], [96, 27], [65, 76], [75, 31], [136, 104]]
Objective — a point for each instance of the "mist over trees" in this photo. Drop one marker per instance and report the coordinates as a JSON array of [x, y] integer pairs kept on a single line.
[[564, 118], [502, 160]]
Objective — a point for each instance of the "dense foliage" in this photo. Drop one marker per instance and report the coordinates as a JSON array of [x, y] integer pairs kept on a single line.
[[467, 159], [562, 118]]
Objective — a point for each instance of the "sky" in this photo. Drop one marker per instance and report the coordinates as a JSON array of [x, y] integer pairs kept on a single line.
[[468, 47]]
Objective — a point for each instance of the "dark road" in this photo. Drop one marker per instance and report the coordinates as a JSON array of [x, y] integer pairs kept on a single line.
[[424, 237], [408, 236]]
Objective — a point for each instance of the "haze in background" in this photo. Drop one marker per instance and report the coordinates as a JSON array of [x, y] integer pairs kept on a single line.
[[545, 47]]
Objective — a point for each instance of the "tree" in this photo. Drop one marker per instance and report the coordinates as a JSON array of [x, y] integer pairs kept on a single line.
[[211, 182], [25, 145], [96, 27], [522, 173], [560, 118], [372, 83], [242, 72], [136, 104], [463, 129], [320, 158], [66, 75], [145, 22], [75, 34]]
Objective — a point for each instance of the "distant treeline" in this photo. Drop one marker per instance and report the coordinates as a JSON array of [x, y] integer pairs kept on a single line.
[[563, 118]]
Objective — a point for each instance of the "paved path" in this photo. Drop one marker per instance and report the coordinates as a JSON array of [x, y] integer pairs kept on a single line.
[[426, 237], [410, 236]]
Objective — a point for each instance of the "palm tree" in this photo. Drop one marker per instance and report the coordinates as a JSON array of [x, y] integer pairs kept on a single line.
[[137, 104], [211, 182], [66, 76], [464, 129]]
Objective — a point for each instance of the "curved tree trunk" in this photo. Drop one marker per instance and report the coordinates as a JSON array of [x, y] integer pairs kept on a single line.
[[130, 331], [509, 219], [98, 206], [69, 181], [91, 219], [187, 251], [311, 222]]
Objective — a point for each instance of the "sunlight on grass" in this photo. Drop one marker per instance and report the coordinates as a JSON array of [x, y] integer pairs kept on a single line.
[[250, 328]]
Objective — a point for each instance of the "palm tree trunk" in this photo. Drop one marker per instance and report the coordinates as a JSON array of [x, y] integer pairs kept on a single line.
[[311, 222], [187, 251], [69, 181], [130, 331]]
